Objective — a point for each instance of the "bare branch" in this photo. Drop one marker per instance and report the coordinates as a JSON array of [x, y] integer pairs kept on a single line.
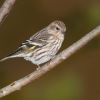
[[17, 85], [5, 9]]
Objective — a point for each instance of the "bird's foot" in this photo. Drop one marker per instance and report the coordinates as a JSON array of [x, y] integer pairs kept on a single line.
[[38, 67]]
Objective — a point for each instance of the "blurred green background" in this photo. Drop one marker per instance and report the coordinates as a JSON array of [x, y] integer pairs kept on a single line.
[[77, 78]]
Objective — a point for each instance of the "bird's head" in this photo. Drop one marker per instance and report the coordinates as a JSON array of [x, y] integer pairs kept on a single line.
[[56, 27]]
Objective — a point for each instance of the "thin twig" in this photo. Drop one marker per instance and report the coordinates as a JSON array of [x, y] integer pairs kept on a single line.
[[5, 9], [17, 85]]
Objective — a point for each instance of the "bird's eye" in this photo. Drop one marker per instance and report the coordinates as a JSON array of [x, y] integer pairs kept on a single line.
[[57, 28]]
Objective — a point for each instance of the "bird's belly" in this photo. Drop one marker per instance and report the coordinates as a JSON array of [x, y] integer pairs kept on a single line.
[[39, 57], [41, 60]]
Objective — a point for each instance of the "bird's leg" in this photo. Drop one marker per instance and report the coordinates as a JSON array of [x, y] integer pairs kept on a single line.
[[38, 67]]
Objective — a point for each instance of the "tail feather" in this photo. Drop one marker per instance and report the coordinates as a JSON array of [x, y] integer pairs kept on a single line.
[[5, 58], [16, 53]]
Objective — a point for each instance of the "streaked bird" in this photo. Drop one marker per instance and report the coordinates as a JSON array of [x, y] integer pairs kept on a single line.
[[43, 45]]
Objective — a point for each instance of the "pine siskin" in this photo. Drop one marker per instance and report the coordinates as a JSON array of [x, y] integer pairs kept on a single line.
[[43, 45]]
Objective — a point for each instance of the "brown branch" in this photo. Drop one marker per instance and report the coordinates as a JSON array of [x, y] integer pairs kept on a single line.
[[17, 85], [5, 9]]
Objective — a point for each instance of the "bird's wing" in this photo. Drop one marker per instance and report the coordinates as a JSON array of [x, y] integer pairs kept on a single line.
[[41, 36], [37, 40]]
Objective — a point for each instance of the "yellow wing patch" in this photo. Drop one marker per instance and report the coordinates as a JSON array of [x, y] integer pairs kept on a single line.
[[31, 48]]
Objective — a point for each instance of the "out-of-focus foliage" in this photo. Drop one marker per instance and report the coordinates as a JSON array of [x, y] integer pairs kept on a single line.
[[77, 78]]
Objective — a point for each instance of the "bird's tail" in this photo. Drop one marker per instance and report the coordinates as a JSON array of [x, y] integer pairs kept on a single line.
[[16, 53], [6, 58]]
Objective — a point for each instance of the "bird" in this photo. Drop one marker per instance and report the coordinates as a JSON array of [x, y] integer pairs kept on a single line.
[[43, 45]]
